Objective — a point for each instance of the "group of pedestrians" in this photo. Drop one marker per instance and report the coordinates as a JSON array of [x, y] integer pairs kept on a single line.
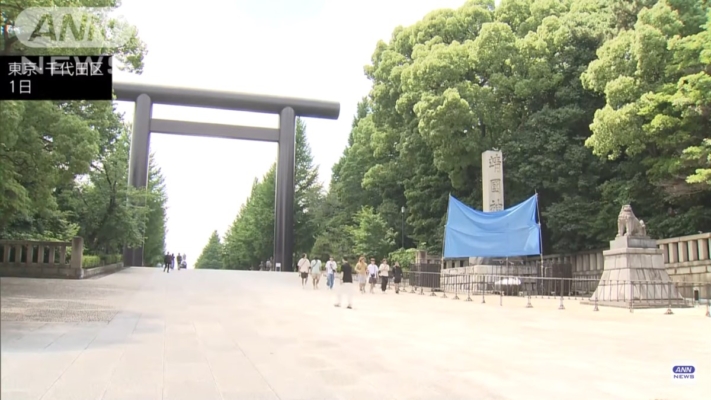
[[366, 274], [266, 266], [169, 261], [371, 272]]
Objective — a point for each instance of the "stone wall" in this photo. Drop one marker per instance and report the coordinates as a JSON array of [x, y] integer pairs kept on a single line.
[[43, 259], [25, 258]]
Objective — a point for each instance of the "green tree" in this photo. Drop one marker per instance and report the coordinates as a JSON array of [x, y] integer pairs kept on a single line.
[[250, 238], [372, 236], [47, 148], [211, 256], [406, 257], [42, 147], [335, 215], [463, 81], [700, 154], [307, 194], [113, 214], [657, 85], [655, 80], [155, 232]]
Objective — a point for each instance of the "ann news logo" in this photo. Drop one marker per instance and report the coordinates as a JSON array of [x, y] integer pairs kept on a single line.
[[683, 372], [72, 27]]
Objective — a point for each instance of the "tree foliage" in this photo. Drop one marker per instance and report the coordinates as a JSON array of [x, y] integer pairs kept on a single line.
[[558, 86], [372, 237], [154, 245], [250, 238], [64, 165], [111, 214], [211, 256], [656, 82]]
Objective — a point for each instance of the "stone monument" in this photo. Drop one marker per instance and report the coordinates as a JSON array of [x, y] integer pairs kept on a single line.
[[492, 179], [634, 269]]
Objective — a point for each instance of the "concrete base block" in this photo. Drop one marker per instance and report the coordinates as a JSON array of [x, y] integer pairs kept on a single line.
[[634, 271]]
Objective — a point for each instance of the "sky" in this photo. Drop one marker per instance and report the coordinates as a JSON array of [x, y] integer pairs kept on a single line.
[[298, 48]]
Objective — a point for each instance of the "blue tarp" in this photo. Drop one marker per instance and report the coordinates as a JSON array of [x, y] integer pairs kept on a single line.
[[508, 233]]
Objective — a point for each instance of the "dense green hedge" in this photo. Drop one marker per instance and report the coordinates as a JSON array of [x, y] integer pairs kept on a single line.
[[89, 261]]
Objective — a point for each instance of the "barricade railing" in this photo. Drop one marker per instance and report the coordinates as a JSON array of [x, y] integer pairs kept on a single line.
[[632, 294]]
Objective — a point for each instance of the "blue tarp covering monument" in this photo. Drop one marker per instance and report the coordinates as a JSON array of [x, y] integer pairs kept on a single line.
[[508, 233]]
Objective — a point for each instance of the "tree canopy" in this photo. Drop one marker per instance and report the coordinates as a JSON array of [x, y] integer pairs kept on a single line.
[[594, 104], [211, 256], [250, 239], [64, 165]]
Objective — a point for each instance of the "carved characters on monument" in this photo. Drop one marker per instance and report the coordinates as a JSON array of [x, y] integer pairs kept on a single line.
[[628, 224], [496, 205], [492, 180], [495, 162]]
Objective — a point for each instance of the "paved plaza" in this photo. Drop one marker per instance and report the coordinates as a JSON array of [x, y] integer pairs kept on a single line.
[[140, 334]]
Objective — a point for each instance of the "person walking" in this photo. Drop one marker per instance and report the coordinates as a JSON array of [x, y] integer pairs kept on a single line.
[[269, 264], [346, 288], [304, 266], [180, 261], [372, 275], [331, 269], [384, 272], [397, 276], [316, 271], [172, 260], [361, 269], [166, 262]]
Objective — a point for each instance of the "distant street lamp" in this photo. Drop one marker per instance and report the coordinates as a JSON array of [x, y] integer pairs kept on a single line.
[[402, 213]]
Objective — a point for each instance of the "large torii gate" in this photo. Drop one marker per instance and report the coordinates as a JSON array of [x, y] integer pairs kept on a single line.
[[288, 109]]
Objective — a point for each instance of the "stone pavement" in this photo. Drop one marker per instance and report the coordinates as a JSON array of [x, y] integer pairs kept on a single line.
[[200, 335]]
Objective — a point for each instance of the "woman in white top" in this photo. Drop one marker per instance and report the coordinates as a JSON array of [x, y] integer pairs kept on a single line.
[[383, 272], [372, 274]]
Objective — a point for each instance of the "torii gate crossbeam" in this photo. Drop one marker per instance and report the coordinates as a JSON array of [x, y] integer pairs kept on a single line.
[[145, 96]]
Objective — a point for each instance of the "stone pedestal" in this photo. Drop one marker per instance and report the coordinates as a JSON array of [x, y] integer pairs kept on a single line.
[[634, 273]]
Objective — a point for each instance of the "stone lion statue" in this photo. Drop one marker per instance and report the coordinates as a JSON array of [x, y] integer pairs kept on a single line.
[[628, 224]]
